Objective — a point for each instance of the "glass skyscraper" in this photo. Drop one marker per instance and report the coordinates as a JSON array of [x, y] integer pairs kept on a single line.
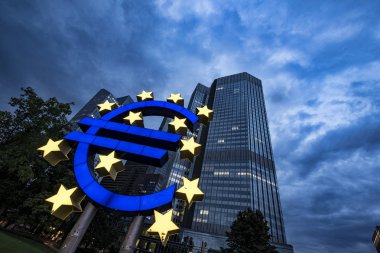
[[185, 167], [182, 167], [237, 170], [90, 109]]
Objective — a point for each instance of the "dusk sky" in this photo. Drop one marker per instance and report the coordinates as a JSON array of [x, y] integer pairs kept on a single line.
[[319, 62]]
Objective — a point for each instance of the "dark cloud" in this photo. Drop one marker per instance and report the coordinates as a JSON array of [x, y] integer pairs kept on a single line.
[[334, 205], [70, 49], [340, 143], [334, 214]]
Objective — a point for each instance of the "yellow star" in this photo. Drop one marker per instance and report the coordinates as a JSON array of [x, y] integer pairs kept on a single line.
[[134, 119], [190, 191], [106, 107], [109, 166], [145, 96], [163, 226], [189, 149], [178, 126], [204, 114], [176, 99], [66, 201], [55, 151]]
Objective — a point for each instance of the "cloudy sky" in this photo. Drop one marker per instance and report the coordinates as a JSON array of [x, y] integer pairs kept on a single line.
[[319, 62]]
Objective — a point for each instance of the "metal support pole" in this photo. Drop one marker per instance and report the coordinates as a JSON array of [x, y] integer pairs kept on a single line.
[[76, 234], [134, 231], [203, 247]]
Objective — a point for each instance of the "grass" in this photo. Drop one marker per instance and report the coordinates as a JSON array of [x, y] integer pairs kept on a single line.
[[16, 244]]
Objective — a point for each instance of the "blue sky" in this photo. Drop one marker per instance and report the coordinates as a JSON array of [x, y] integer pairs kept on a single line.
[[318, 60]]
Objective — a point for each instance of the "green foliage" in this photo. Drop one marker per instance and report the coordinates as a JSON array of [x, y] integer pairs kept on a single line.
[[249, 234], [26, 180]]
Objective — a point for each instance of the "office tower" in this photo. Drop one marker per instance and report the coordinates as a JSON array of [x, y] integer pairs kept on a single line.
[[180, 167], [90, 109], [135, 173], [238, 170], [176, 167], [376, 239], [172, 172]]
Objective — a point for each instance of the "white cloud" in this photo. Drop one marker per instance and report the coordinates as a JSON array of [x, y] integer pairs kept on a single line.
[[285, 56], [178, 10], [185, 68], [337, 33], [270, 16], [334, 106]]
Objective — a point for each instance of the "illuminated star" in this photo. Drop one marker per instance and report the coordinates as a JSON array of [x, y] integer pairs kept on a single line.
[[106, 107], [145, 96], [176, 99], [66, 201], [189, 149], [204, 114], [134, 119], [190, 191], [55, 151], [109, 166], [178, 126], [163, 226]]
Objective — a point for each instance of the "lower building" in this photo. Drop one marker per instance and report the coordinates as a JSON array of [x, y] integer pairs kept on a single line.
[[215, 242]]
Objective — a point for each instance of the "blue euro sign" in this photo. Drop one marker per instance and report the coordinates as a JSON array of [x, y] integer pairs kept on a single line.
[[131, 143]]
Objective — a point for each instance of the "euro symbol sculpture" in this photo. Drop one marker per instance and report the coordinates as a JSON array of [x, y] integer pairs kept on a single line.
[[119, 134]]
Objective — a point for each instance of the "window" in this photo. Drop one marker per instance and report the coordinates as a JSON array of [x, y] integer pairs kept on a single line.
[[221, 172]]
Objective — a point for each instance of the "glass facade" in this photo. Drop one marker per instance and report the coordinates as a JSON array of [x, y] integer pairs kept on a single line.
[[134, 180], [238, 170], [184, 167], [178, 168]]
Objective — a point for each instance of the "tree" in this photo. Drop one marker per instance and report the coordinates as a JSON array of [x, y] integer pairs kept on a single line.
[[26, 180], [249, 234]]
